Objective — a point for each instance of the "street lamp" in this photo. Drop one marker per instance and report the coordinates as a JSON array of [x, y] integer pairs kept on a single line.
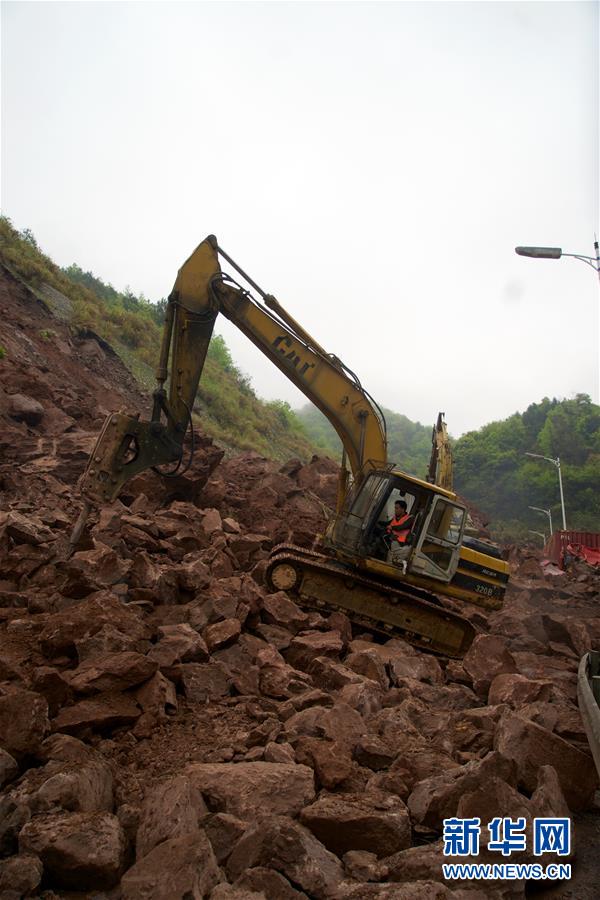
[[556, 253], [555, 462], [547, 512], [539, 534]]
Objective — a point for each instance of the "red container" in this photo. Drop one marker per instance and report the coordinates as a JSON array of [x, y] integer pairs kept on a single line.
[[582, 544]]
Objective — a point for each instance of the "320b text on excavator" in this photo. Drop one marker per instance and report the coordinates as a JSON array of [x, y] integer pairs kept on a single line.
[[394, 582]]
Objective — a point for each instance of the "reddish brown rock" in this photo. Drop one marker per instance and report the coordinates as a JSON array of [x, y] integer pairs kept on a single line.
[[157, 697], [76, 785], [280, 843], [415, 890], [369, 664], [79, 850], [548, 801], [52, 685], [279, 753], [20, 875], [102, 713], [487, 657], [332, 675], [566, 630], [473, 730], [304, 648], [224, 831], [331, 761], [211, 520], [278, 609], [269, 884], [106, 641], [374, 753], [493, 798], [221, 634], [253, 790], [340, 723], [171, 809], [25, 409], [203, 682], [531, 747], [516, 690], [364, 866], [9, 768], [115, 672], [25, 529], [177, 644], [375, 822], [23, 722], [64, 629], [182, 866], [88, 570], [437, 798], [366, 697]]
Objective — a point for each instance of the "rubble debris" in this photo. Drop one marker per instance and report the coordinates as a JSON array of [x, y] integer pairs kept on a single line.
[[170, 728]]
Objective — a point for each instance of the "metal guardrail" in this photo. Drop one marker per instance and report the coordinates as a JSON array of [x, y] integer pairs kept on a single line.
[[588, 696]]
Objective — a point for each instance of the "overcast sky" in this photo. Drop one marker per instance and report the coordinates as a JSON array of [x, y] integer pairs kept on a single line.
[[373, 165]]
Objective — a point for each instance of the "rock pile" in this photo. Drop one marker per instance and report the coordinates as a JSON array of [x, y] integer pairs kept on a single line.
[[171, 729]]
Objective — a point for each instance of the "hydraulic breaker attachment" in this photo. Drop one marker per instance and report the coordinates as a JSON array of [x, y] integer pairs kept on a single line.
[[125, 447]]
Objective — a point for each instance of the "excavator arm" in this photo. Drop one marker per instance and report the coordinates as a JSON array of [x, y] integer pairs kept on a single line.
[[127, 446], [440, 463]]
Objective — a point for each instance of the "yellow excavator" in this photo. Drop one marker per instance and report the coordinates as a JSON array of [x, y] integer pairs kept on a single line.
[[356, 566]]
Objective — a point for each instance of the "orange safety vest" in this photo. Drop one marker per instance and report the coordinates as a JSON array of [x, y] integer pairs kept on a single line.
[[400, 536]]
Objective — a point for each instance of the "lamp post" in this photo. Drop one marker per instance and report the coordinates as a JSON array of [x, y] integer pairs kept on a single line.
[[555, 462], [539, 534], [556, 253], [547, 512]]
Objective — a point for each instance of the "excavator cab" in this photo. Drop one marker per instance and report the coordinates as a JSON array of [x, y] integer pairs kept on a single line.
[[432, 549]]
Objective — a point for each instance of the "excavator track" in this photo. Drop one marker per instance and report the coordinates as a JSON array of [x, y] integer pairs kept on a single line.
[[326, 585]]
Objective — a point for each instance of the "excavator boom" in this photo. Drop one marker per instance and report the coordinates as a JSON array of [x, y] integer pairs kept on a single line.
[[201, 291]]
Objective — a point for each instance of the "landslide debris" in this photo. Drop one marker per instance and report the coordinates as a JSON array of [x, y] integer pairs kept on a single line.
[[171, 729]]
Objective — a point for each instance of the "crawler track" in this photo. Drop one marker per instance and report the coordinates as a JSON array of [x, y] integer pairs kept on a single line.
[[327, 585]]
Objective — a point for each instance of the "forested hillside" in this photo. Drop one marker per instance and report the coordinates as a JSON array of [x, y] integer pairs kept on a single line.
[[492, 470], [409, 443], [227, 406]]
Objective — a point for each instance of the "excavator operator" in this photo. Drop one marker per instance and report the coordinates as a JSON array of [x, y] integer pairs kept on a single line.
[[400, 526]]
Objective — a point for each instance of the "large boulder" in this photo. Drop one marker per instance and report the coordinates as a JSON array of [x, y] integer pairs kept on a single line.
[[24, 722], [171, 810], [253, 790], [374, 822], [284, 845], [82, 851], [531, 747], [487, 657], [115, 672], [180, 867]]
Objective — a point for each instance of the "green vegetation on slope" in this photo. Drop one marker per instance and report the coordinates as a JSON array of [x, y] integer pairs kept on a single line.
[[409, 443], [227, 406], [491, 468]]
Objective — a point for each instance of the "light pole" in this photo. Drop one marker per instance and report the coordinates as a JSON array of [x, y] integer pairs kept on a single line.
[[547, 512], [539, 534], [555, 462], [556, 253]]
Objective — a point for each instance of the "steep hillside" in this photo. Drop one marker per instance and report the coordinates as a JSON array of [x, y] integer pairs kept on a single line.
[[226, 406]]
